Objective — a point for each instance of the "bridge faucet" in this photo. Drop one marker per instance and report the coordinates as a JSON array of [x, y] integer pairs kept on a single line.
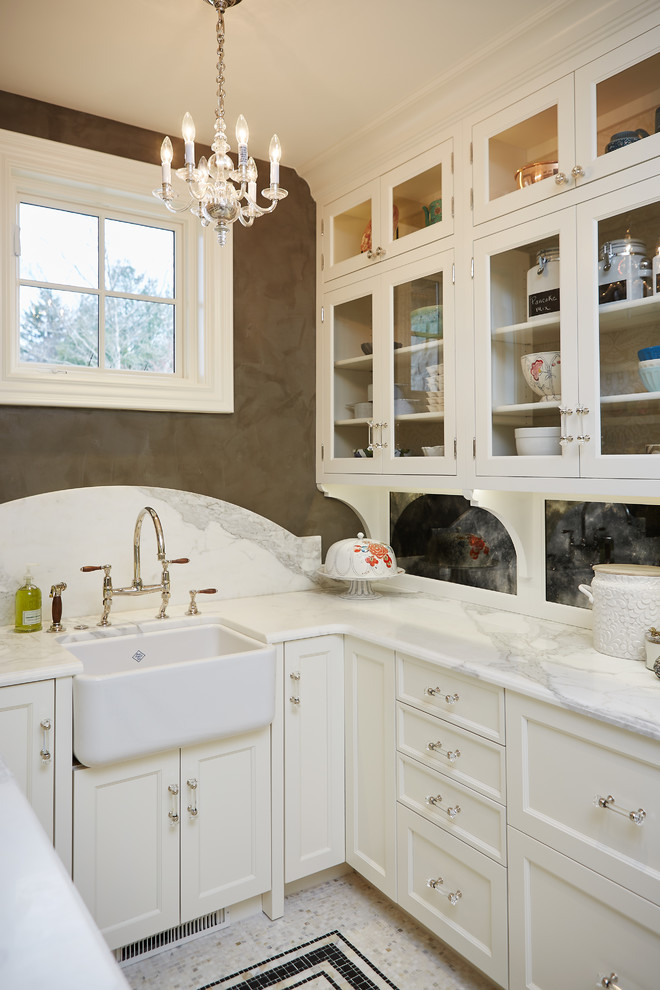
[[138, 587]]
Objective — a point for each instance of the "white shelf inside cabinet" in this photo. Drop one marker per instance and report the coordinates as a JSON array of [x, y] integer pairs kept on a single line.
[[520, 329], [636, 312], [353, 421], [360, 363], [505, 414], [623, 400], [423, 417]]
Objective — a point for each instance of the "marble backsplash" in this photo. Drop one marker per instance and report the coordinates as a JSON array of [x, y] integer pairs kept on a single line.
[[230, 548]]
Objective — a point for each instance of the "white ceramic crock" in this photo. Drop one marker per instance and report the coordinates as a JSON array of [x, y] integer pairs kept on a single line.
[[626, 601]]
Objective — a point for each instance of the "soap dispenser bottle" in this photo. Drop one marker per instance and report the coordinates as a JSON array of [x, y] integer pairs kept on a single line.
[[28, 606]]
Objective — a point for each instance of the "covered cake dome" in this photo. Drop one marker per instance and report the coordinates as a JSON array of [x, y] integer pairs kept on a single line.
[[359, 561]]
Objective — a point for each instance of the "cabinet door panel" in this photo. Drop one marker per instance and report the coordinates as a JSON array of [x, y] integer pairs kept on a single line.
[[350, 230], [455, 891], [573, 927], [314, 761], [126, 846], [22, 708], [225, 847], [370, 768]]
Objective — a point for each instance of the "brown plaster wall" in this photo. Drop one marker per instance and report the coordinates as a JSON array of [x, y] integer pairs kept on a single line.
[[262, 455]]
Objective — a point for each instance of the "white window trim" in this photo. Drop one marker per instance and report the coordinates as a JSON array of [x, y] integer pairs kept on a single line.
[[204, 382]]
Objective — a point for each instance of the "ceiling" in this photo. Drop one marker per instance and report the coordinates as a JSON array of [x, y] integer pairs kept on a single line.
[[314, 72]]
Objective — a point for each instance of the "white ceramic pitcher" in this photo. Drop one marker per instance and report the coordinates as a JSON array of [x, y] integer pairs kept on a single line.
[[626, 601]]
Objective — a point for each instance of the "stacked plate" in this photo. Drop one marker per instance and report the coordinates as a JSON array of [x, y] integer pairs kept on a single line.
[[434, 385]]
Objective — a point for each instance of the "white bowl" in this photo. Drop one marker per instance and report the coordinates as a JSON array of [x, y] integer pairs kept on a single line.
[[363, 410], [360, 559], [542, 372], [433, 451], [538, 441]]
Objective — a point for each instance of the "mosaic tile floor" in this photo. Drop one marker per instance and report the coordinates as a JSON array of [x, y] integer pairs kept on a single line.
[[401, 950]]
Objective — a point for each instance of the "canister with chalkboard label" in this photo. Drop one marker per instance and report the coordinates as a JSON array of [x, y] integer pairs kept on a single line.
[[543, 284], [624, 271]]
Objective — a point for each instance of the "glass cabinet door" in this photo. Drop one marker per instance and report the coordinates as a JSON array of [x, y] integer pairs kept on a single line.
[[348, 367], [619, 320], [350, 231], [417, 204], [617, 99], [418, 394], [524, 153], [525, 349]]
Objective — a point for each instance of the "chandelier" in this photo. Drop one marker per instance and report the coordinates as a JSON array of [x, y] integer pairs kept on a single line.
[[219, 193]]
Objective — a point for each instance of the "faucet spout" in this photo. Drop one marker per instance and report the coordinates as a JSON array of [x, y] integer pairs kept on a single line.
[[160, 541]]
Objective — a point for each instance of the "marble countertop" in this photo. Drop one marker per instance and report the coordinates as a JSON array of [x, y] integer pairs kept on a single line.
[[47, 937], [547, 660]]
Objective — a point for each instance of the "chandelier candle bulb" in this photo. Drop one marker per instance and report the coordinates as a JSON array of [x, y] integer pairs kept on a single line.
[[242, 137], [275, 154], [188, 132], [166, 153]]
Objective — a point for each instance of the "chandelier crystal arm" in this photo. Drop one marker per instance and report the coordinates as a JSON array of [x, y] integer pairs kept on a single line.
[[218, 192]]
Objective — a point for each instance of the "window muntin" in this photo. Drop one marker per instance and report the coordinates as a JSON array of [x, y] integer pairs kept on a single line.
[[95, 291]]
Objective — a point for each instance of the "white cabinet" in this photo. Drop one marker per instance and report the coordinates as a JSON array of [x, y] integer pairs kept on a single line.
[[583, 861], [573, 124], [165, 839], [27, 717], [408, 207], [387, 355], [604, 415], [370, 767], [314, 756], [451, 815]]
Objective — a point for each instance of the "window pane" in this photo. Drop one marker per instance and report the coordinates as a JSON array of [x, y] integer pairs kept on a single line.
[[59, 327], [139, 259], [58, 246], [139, 336]]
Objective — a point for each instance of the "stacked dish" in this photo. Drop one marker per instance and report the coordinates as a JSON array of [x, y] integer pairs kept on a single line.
[[649, 368], [434, 386]]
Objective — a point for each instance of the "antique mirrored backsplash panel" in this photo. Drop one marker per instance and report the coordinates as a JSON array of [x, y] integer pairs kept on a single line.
[[445, 538], [581, 534]]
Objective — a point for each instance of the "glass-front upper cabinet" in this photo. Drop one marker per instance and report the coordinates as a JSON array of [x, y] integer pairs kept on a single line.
[[603, 118], [388, 394], [525, 349], [619, 321], [408, 207]]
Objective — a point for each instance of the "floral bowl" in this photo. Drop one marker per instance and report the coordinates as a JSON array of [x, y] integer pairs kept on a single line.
[[542, 372]]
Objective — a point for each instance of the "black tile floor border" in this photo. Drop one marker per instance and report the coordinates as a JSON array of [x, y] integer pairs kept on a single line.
[[331, 956]]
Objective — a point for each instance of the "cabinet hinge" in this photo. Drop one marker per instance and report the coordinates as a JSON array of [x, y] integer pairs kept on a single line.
[[455, 447], [471, 153], [322, 227], [322, 452], [322, 314], [452, 206], [452, 163], [474, 447], [322, 262], [17, 241], [472, 267], [471, 199], [453, 273]]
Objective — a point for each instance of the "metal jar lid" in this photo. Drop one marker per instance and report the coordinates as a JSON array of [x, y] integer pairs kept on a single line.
[[626, 245]]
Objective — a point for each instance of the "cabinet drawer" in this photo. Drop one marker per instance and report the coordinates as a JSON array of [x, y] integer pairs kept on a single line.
[[559, 764], [458, 809], [464, 701], [455, 891], [462, 756], [575, 927]]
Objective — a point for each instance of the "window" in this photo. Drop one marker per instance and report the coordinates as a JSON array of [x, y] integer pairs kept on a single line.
[[110, 300]]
